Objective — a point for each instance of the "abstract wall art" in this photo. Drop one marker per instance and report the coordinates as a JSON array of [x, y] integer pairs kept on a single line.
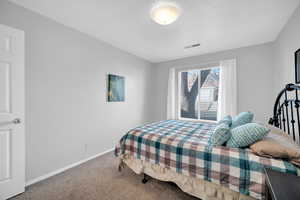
[[116, 88]]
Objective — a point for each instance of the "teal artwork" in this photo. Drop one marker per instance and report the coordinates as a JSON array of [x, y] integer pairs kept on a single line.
[[116, 88]]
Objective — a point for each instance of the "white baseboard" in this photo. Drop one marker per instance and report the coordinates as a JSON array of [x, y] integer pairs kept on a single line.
[[38, 179]]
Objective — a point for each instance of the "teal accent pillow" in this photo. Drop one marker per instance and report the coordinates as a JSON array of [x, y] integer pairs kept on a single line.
[[227, 120], [220, 135], [242, 118], [247, 134]]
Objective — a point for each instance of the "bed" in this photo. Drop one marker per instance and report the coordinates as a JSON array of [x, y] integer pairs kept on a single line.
[[179, 151]]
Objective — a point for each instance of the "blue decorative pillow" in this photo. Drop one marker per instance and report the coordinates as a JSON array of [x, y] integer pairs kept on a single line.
[[227, 120], [242, 118], [220, 135], [246, 135]]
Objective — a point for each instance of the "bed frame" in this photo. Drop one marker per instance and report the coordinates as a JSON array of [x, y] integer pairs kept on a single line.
[[286, 111]]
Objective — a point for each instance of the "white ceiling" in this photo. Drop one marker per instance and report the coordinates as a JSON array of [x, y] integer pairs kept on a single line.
[[216, 24]]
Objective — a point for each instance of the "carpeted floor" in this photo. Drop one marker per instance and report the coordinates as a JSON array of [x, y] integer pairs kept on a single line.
[[100, 179]]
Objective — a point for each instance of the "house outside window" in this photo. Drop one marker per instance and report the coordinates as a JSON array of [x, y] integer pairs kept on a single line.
[[198, 94]]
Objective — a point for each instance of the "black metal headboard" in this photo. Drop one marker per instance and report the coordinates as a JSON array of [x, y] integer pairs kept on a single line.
[[286, 111]]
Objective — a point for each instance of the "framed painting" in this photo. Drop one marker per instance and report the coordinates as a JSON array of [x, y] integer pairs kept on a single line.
[[297, 66], [116, 88]]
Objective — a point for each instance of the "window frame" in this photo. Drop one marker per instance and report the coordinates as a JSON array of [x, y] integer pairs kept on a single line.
[[178, 92]]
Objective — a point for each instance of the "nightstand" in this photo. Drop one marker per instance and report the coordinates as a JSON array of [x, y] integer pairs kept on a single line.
[[282, 186]]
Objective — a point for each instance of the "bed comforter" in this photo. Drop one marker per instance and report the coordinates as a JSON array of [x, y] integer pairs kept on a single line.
[[183, 147]]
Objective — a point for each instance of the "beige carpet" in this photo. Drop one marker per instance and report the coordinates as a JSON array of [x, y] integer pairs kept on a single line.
[[100, 179]]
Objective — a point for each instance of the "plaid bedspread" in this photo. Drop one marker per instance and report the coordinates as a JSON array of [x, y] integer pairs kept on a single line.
[[183, 147]]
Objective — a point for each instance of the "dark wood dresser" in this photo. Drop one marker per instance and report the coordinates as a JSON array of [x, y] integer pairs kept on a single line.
[[282, 186]]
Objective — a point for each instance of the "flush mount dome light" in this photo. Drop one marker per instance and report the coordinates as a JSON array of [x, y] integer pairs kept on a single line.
[[165, 12]]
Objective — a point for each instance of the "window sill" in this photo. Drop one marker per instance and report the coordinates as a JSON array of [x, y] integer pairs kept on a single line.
[[198, 120]]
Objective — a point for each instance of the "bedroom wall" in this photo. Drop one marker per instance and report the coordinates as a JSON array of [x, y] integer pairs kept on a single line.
[[66, 106], [254, 74], [285, 46]]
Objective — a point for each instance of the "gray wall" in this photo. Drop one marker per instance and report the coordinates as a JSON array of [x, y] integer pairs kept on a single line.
[[286, 44], [66, 105], [254, 74]]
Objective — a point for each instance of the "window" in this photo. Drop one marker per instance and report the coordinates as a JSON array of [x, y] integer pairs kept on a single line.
[[198, 94]]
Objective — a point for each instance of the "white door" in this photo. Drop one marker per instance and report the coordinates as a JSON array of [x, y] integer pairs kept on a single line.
[[12, 135]]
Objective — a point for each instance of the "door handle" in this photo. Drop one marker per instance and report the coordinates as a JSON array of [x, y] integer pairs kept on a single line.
[[16, 121]]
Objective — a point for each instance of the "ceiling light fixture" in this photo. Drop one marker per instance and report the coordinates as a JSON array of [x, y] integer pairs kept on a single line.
[[165, 12]]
